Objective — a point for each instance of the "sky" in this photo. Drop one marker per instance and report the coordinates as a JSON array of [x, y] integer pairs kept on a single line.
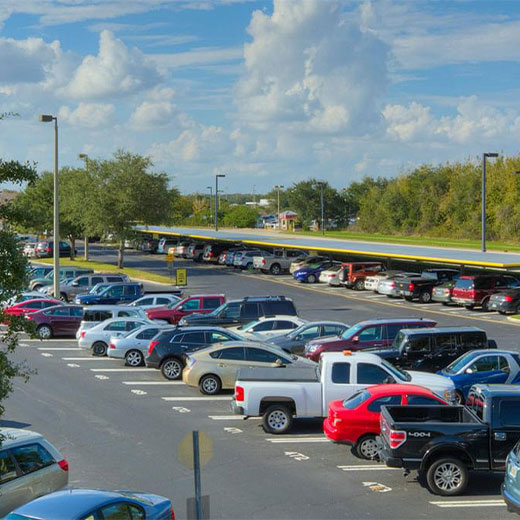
[[263, 92]]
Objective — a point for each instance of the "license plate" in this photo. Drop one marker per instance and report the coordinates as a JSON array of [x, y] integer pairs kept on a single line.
[[513, 470], [492, 305]]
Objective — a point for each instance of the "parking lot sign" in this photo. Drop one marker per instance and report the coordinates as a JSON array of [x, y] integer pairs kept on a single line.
[[181, 277]]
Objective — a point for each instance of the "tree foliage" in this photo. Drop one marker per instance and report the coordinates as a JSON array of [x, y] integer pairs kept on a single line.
[[241, 217]]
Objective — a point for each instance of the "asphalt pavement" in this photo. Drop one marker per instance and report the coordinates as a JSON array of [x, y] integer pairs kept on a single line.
[[119, 427]]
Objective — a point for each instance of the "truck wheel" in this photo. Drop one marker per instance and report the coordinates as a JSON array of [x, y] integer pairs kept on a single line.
[[210, 385], [277, 419], [367, 448], [99, 349], [311, 278], [408, 298], [275, 269], [171, 369], [359, 285], [447, 477], [425, 297]]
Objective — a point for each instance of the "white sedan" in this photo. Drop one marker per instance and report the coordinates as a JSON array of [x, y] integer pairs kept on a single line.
[[157, 300], [267, 327], [330, 276]]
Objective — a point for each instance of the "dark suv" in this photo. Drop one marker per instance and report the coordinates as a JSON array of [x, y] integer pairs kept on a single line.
[[475, 291], [243, 311], [167, 351], [365, 334]]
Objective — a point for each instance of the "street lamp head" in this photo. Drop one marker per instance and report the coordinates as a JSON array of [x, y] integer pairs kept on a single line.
[[219, 175], [82, 156], [45, 118], [489, 154]]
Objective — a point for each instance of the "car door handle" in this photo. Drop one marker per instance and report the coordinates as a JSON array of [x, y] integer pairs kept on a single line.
[[221, 365], [500, 436]]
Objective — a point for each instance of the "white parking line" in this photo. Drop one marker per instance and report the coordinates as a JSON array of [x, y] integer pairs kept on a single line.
[[495, 502], [230, 417], [365, 467], [122, 370], [41, 341], [46, 354], [59, 348], [142, 383], [89, 359], [217, 398], [302, 440]]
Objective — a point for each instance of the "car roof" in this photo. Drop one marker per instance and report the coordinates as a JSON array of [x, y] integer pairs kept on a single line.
[[198, 328], [14, 436], [340, 356], [45, 299], [440, 330], [240, 343], [326, 323], [379, 321], [489, 351], [385, 389], [491, 390], [108, 307]]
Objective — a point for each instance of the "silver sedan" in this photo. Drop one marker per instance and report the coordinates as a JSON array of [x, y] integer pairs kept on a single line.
[[133, 346]]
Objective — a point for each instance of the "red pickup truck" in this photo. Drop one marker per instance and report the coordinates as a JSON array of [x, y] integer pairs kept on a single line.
[[201, 304]]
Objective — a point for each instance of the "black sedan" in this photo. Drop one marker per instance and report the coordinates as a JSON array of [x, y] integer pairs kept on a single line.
[[167, 351], [505, 302], [46, 249]]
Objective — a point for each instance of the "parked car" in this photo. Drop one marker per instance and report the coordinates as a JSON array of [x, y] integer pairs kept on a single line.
[[278, 261], [182, 249], [90, 504], [372, 281], [482, 367], [352, 274], [356, 421], [98, 337], [39, 271], [62, 320], [330, 275], [244, 259], [84, 283], [29, 250], [30, 295], [132, 346], [294, 341], [278, 397], [299, 263], [215, 368], [156, 300], [165, 244], [266, 327], [150, 245], [96, 314], [311, 272], [475, 291], [388, 286], [365, 334], [30, 466], [421, 288], [442, 293], [212, 252], [203, 303], [118, 293], [236, 312], [65, 274], [28, 306], [46, 249], [510, 488], [195, 252], [169, 349], [505, 302], [445, 443], [431, 349]]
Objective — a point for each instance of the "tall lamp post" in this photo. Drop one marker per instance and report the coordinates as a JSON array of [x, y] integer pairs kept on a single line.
[[217, 176], [322, 186], [484, 157], [56, 235], [278, 187], [210, 188]]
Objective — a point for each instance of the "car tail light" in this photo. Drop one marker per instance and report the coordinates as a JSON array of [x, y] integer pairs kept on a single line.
[[446, 291], [111, 345], [239, 393], [471, 293], [508, 298], [396, 438], [392, 285], [151, 346], [210, 254], [263, 261], [172, 513], [48, 249], [83, 334], [331, 275], [63, 464], [411, 286]]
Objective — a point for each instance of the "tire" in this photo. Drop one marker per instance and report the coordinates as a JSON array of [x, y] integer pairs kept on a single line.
[[210, 384], [502, 312], [277, 419], [311, 278], [425, 297], [447, 477], [134, 358], [445, 303], [44, 332], [249, 266], [485, 305], [469, 307], [359, 285], [171, 369], [459, 398], [275, 269], [367, 448], [408, 298], [99, 349]]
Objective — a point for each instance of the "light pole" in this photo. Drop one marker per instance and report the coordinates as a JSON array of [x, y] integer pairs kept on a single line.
[[56, 235], [322, 186], [210, 188], [84, 157], [216, 198], [484, 157], [278, 187]]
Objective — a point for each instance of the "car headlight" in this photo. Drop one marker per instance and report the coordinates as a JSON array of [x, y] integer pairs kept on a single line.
[[183, 322], [449, 395], [311, 348]]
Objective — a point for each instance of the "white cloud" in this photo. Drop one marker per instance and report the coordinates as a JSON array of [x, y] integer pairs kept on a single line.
[[197, 56], [116, 70], [89, 115], [157, 110]]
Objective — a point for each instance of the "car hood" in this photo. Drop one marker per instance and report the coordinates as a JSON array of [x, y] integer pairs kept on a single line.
[[281, 341], [84, 298], [329, 340], [431, 381], [302, 362]]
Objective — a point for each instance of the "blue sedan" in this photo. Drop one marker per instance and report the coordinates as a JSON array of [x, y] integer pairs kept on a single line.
[[311, 272], [482, 366], [94, 504]]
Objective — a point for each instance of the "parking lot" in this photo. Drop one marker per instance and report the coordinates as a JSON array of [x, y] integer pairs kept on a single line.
[[119, 427]]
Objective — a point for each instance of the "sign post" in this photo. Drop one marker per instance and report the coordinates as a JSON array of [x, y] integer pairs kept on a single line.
[[196, 473], [169, 259]]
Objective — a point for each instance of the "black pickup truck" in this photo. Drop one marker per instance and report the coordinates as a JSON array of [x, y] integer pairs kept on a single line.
[[444, 442], [421, 288]]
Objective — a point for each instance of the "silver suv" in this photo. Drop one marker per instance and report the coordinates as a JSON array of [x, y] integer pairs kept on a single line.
[[83, 284], [29, 467]]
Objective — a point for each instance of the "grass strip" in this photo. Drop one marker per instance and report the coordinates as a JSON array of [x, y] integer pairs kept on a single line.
[[110, 268]]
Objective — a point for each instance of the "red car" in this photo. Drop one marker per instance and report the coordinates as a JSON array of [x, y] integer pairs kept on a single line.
[[57, 321], [201, 304], [28, 306], [355, 421]]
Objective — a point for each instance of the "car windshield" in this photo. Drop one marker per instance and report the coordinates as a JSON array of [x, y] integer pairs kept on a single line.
[[456, 365], [218, 310], [399, 340], [352, 331], [297, 331], [248, 325], [402, 375], [355, 400]]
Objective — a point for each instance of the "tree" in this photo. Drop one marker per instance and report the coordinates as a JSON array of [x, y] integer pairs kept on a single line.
[[241, 217]]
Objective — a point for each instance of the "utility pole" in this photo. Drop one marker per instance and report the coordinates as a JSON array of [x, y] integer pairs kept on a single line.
[[210, 201], [278, 187], [483, 237], [216, 198]]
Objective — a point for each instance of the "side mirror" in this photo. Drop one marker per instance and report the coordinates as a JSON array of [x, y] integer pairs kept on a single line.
[[298, 337], [75, 284], [355, 339], [389, 380], [469, 371]]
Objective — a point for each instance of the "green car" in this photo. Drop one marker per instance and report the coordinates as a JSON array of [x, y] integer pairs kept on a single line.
[[65, 274]]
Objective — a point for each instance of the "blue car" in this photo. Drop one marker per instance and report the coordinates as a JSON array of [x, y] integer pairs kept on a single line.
[[112, 294], [94, 504], [482, 366], [311, 272], [511, 485]]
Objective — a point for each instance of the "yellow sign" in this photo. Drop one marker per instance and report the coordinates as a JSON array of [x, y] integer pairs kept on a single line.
[[185, 450], [181, 277], [169, 257], [155, 235]]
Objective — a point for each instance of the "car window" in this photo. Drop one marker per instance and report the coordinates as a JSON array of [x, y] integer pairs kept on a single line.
[[32, 457], [250, 310], [76, 312], [310, 332], [191, 305], [232, 310], [473, 339], [503, 364], [279, 308], [29, 305], [509, 412], [7, 467], [162, 301], [284, 324], [61, 311], [422, 400], [444, 342], [82, 282], [114, 279], [211, 303], [216, 337], [394, 328], [194, 337], [261, 356], [232, 353], [147, 334], [122, 511], [371, 334], [418, 344], [375, 405], [47, 304], [371, 374], [332, 330], [341, 373], [356, 399], [146, 301], [485, 364], [115, 291], [131, 325], [97, 279], [130, 290], [263, 326], [116, 325]]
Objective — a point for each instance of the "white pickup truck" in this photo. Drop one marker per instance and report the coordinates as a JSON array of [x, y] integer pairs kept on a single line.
[[280, 395], [280, 260]]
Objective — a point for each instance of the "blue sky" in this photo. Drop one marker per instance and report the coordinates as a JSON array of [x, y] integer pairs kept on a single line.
[[265, 92]]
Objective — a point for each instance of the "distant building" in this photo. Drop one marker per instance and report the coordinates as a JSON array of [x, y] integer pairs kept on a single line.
[[287, 220], [263, 203]]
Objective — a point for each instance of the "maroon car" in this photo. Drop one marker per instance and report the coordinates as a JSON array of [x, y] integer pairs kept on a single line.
[[57, 321], [200, 304], [365, 334]]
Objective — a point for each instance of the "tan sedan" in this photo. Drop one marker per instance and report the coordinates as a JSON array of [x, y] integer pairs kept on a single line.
[[215, 368]]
